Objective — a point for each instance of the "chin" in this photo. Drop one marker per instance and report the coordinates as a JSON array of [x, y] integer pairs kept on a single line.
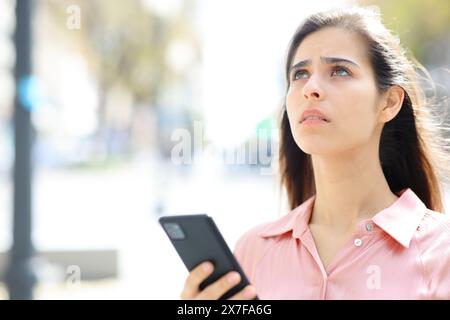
[[313, 141], [310, 147]]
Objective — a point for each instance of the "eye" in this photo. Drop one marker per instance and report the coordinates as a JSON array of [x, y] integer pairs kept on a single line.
[[337, 70], [340, 71], [300, 74]]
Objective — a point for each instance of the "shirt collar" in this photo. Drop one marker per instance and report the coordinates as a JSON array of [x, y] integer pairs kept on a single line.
[[400, 220]]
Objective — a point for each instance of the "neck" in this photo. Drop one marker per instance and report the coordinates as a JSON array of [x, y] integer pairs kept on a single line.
[[349, 188]]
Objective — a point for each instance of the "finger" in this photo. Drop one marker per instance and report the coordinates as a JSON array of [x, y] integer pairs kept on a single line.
[[222, 285], [248, 293], [196, 276]]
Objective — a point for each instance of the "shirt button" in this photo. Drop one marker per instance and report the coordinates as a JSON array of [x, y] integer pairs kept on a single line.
[[357, 242], [369, 227]]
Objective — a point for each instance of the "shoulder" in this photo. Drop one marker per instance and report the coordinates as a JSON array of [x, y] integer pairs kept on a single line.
[[433, 234], [267, 232], [433, 239], [252, 246], [251, 240], [254, 243], [435, 226]]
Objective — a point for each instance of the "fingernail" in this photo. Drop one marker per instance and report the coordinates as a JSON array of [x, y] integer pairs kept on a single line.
[[233, 278], [206, 267], [249, 292]]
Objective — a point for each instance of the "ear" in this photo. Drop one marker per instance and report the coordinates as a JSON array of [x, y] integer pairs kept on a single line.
[[391, 103]]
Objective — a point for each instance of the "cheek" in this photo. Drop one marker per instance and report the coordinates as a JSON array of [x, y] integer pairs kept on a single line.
[[291, 98], [292, 105], [355, 108], [294, 99], [357, 123]]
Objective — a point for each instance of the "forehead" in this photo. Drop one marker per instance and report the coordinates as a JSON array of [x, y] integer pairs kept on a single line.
[[333, 42]]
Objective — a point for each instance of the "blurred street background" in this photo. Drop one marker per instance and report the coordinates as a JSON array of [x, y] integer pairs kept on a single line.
[[144, 108]]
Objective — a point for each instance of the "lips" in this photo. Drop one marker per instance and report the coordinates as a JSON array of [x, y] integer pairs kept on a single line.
[[313, 114]]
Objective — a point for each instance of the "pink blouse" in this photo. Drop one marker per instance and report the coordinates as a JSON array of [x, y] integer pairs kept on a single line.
[[403, 252]]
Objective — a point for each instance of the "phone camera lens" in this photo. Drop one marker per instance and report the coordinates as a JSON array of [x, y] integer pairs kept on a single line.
[[174, 231]]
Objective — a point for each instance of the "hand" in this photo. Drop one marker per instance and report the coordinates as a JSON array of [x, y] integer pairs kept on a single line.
[[216, 289]]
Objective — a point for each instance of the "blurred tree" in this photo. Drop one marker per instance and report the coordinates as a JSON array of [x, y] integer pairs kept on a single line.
[[125, 45], [417, 22], [423, 29]]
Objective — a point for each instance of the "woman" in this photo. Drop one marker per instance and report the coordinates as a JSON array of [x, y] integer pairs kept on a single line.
[[360, 165]]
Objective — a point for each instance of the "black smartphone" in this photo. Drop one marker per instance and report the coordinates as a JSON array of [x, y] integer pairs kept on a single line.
[[197, 239]]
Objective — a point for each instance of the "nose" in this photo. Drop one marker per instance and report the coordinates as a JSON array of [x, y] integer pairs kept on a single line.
[[312, 90]]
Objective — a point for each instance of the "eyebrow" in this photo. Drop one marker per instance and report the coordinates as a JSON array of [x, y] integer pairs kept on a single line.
[[328, 60]]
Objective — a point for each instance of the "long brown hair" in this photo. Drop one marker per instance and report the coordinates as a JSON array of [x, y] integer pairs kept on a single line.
[[412, 148]]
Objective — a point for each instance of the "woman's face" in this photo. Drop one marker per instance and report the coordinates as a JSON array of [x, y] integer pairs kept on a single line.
[[344, 91]]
